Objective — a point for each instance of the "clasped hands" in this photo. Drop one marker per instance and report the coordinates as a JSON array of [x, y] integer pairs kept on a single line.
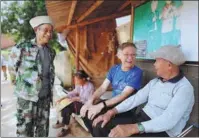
[[93, 110], [118, 131]]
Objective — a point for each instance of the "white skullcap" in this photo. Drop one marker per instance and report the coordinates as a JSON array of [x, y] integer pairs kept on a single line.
[[38, 20], [171, 53]]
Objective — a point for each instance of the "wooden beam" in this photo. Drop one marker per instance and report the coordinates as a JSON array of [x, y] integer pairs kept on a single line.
[[77, 49], [116, 15], [90, 10], [82, 61], [70, 43], [128, 2], [132, 23], [72, 9]]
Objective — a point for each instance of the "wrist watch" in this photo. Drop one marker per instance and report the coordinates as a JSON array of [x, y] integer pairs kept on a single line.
[[140, 128], [104, 103]]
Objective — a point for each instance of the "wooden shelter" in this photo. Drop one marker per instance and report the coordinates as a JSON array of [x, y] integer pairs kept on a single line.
[[89, 29]]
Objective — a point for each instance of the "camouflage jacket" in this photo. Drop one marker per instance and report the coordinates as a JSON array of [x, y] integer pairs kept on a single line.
[[28, 70]]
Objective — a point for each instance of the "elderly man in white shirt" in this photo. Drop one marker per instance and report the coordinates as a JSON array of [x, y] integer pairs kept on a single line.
[[169, 101]]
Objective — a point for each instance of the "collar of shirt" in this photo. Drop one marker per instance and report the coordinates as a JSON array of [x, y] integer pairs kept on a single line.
[[33, 41], [176, 78]]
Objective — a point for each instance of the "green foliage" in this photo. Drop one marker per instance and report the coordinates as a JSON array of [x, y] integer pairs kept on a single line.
[[15, 20]]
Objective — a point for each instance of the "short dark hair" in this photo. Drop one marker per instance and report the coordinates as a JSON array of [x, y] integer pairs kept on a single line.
[[126, 44], [81, 74]]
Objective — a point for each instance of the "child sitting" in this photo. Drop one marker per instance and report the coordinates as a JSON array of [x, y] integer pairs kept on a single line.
[[82, 92]]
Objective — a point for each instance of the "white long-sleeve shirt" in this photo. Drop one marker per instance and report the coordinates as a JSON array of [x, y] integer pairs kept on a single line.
[[169, 105]]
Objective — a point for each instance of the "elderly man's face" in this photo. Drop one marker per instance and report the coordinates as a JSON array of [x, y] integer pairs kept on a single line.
[[44, 33], [161, 67], [127, 57]]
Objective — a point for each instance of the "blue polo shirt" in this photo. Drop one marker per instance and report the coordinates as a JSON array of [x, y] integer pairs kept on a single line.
[[120, 79]]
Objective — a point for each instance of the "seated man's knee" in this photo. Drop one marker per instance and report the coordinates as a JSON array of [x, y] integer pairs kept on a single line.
[[98, 126], [98, 131]]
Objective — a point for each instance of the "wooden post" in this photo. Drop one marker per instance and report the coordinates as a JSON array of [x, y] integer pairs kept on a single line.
[[132, 23], [77, 48]]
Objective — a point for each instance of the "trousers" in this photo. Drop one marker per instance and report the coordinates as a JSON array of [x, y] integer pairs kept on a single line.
[[33, 118]]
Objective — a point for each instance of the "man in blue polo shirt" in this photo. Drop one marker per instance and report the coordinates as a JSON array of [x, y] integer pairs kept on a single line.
[[120, 79], [125, 80], [169, 100]]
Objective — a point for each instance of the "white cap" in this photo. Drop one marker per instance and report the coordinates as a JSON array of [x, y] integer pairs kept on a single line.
[[38, 20], [171, 53]]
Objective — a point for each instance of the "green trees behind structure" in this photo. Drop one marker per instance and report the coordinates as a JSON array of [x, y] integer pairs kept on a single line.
[[15, 17]]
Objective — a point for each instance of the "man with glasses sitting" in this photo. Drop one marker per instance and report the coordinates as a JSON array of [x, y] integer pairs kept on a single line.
[[125, 79]]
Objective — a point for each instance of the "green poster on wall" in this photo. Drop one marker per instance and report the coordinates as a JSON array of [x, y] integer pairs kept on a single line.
[[156, 23]]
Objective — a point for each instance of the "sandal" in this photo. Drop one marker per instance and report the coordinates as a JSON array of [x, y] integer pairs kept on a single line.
[[58, 125], [63, 132]]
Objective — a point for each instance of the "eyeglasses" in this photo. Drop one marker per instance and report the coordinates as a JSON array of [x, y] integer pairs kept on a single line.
[[127, 55], [46, 30]]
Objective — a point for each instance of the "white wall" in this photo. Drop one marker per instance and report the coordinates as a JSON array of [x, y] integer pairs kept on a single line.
[[189, 30]]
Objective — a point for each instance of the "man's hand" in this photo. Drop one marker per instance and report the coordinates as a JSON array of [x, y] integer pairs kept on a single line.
[[85, 107], [94, 110], [105, 118], [124, 130]]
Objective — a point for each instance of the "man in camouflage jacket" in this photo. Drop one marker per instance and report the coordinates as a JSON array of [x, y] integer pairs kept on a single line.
[[34, 78]]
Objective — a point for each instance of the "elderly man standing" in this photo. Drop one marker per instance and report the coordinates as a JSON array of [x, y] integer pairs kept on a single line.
[[34, 80], [169, 101]]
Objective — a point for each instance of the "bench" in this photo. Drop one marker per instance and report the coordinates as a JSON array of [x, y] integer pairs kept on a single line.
[[190, 130]]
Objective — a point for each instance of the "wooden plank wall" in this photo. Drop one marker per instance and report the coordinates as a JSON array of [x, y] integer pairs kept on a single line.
[[97, 48]]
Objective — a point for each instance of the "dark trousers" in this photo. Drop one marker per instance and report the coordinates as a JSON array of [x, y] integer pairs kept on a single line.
[[74, 107], [88, 122], [129, 117]]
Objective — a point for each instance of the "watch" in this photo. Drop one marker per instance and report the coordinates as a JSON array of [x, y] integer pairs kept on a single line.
[[104, 103], [140, 128]]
